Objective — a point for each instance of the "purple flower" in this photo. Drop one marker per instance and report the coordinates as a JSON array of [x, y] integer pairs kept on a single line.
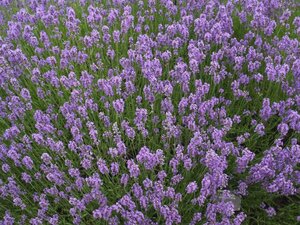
[[260, 129], [270, 211], [119, 105], [5, 168], [27, 162], [266, 111], [102, 166], [124, 179], [283, 128], [11, 132], [114, 167], [191, 187], [133, 168]]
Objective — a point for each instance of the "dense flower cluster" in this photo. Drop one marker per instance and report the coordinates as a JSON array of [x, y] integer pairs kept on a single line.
[[147, 112]]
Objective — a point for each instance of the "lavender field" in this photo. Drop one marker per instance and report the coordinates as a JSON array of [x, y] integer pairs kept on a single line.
[[150, 112]]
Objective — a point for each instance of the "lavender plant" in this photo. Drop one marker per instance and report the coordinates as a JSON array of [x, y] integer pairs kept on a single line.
[[149, 112]]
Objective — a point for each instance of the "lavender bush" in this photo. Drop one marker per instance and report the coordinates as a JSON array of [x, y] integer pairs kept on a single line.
[[149, 112]]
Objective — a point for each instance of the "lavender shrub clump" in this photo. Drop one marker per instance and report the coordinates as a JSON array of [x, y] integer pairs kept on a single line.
[[143, 112]]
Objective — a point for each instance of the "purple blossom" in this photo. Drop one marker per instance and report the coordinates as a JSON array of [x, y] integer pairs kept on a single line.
[[139, 112], [191, 187], [119, 105], [27, 162]]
